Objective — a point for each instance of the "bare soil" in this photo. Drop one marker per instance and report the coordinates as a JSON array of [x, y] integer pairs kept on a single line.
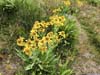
[[86, 61]]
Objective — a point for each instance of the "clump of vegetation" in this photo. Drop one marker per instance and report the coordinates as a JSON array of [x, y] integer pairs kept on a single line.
[[47, 42]]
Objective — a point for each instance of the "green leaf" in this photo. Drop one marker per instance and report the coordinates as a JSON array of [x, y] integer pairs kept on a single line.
[[29, 67], [21, 55], [67, 72], [40, 67]]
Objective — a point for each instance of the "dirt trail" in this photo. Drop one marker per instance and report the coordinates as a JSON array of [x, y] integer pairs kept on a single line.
[[9, 63], [85, 63]]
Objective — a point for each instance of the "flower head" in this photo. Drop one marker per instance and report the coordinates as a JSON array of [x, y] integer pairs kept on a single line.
[[43, 49], [50, 34], [57, 20], [62, 33], [20, 41], [47, 39], [29, 42], [27, 51]]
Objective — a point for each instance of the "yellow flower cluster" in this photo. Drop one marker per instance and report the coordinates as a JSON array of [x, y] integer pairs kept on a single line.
[[40, 38], [41, 43], [56, 10], [57, 20]]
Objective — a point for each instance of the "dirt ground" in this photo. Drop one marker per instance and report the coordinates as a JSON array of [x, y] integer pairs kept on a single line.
[[87, 61]]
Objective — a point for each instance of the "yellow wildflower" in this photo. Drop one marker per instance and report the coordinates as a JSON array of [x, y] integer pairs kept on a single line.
[[34, 47], [20, 41], [44, 24], [62, 19], [47, 39], [50, 34], [33, 33], [41, 43], [67, 3], [57, 20], [43, 49], [41, 30], [56, 10], [36, 25], [29, 42], [27, 51], [36, 40], [62, 33]]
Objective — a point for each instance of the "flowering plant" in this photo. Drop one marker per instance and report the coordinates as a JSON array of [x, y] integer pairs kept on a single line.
[[44, 37]]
